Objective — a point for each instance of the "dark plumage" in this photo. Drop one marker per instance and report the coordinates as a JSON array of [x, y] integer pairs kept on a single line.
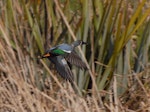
[[62, 54], [62, 67], [74, 59]]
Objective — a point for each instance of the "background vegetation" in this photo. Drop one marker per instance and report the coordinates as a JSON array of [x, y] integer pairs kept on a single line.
[[118, 55]]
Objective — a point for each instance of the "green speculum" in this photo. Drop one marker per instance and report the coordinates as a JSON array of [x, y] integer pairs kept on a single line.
[[58, 52]]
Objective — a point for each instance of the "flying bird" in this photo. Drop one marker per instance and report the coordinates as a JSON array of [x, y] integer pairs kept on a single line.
[[63, 54]]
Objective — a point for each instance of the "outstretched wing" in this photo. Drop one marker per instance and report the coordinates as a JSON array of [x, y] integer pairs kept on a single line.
[[61, 49], [74, 59], [62, 68]]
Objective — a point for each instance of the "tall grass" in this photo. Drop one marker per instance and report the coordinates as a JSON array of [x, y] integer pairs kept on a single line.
[[117, 55]]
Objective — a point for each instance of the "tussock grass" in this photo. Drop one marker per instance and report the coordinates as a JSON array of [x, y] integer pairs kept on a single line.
[[117, 56]]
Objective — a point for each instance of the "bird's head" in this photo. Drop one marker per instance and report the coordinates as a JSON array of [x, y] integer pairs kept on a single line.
[[78, 42]]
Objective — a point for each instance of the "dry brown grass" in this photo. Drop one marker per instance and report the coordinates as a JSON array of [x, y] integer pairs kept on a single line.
[[28, 84], [18, 92]]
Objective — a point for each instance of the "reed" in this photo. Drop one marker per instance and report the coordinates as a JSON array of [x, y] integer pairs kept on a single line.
[[117, 55]]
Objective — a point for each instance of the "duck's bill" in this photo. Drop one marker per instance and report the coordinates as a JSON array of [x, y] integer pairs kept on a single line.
[[84, 43]]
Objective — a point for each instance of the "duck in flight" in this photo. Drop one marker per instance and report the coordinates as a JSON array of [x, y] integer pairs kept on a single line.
[[63, 54]]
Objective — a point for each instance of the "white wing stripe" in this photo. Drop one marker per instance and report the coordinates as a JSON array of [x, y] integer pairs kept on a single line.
[[66, 51]]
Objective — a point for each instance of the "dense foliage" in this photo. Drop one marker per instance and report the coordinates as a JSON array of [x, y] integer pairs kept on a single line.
[[118, 55]]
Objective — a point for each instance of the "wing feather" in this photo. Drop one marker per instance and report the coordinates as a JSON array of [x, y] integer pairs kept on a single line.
[[74, 59], [62, 68]]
